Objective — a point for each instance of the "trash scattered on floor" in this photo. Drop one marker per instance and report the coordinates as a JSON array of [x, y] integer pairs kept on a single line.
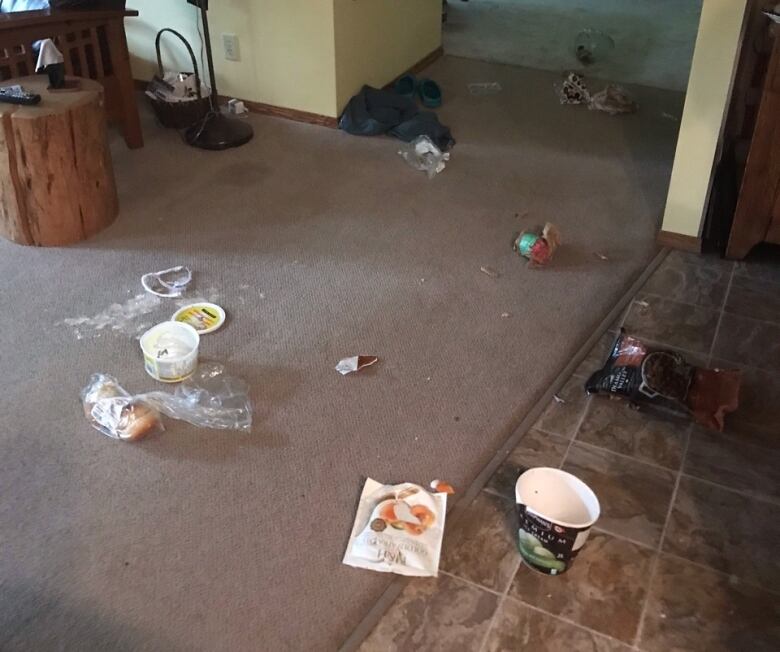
[[122, 317], [168, 283], [372, 112], [656, 377], [175, 87], [209, 399], [556, 511], [592, 45], [422, 154], [538, 245], [613, 100], [237, 108], [558, 399], [442, 487], [485, 88], [489, 271], [600, 256], [397, 529], [112, 411], [573, 90], [355, 363], [203, 316], [170, 351], [643, 304], [505, 315]]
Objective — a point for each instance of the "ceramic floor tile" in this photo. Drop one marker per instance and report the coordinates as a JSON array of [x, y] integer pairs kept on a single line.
[[694, 609], [762, 264], [749, 342], [536, 448], [481, 545], [434, 614], [563, 417], [725, 530], [731, 460], [754, 298], [604, 589], [634, 497], [679, 325], [647, 436], [757, 418], [518, 627], [597, 356], [709, 261], [688, 281]]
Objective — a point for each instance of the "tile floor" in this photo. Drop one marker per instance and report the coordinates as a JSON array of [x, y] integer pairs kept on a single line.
[[683, 557]]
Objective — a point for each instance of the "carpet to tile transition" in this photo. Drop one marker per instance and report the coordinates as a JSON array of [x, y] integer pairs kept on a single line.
[[319, 245]]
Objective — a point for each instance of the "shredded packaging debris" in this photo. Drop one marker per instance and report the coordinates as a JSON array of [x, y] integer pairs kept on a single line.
[[538, 247], [168, 283], [355, 363], [613, 100], [423, 154], [489, 271], [485, 88], [442, 487], [122, 317]]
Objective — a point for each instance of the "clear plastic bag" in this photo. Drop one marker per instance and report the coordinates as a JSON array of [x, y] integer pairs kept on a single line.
[[423, 154], [114, 412], [208, 399], [485, 88]]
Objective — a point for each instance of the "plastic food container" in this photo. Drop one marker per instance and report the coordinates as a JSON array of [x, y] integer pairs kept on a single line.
[[556, 512], [170, 351]]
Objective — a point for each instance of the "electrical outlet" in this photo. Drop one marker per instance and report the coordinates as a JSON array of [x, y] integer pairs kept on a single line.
[[230, 46]]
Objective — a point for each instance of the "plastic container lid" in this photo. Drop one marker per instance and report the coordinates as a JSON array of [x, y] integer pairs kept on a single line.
[[204, 317]]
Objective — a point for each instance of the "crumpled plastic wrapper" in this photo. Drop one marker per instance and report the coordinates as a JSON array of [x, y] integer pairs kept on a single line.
[[614, 99], [423, 154], [176, 87], [208, 399]]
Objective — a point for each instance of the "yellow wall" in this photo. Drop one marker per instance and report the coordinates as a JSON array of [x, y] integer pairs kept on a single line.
[[287, 48], [709, 87], [376, 40], [309, 55]]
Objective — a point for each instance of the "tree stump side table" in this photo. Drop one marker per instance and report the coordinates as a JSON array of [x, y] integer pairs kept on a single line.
[[56, 177]]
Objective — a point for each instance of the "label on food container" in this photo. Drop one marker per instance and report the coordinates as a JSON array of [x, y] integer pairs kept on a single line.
[[546, 546]]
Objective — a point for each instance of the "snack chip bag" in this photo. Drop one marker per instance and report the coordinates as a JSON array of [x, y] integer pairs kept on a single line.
[[398, 529], [663, 378]]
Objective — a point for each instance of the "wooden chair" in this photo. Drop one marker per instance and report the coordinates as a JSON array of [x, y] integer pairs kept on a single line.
[[94, 46]]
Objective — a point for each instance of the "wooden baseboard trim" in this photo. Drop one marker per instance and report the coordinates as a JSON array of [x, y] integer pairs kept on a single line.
[[422, 64], [679, 241], [426, 61], [292, 114], [269, 109]]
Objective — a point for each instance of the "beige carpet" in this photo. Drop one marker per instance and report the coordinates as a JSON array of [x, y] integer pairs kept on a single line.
[[320, 245]]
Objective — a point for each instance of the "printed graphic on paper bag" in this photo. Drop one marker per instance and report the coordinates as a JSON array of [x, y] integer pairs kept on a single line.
[[544, 545]]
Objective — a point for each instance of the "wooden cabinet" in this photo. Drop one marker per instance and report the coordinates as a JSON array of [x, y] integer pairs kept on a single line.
[[757, 214]]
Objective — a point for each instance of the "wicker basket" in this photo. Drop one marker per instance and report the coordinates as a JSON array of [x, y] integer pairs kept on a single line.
[[180, 115]]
